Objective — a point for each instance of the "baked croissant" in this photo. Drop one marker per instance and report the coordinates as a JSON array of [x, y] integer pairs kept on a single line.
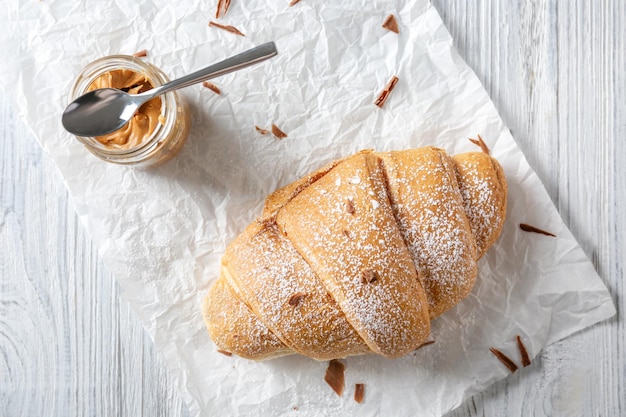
[[358, 256]]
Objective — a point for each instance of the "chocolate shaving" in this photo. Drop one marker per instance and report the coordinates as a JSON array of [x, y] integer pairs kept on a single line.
[[295, 299], [523, 352], [222, 8], [480, 142], [426, 343], [211, 87], [335, 376], [533, 229], [368, 276], [293, 2], [140, 54], [277, 132], [391, 24], [261, 131], [506, 361], [225, 352], [349, 206], [382, 97], [359, 392], [227, 28]]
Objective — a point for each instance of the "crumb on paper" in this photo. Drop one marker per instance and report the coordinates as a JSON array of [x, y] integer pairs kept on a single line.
[[277, 132], [227, 28], [335, 376], [391, 24], [293, 2], [528, 228], [480, 142], [225, 352], [523, 352], [261, 130], [506, 361], [222, 8], [140, 54], [212, 87], [359, 392], [382, 97]]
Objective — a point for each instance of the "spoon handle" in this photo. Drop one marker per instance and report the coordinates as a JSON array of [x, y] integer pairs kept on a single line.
[[242, 60]]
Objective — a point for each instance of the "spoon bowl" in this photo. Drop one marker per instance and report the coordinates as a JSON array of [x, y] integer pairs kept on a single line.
[[100, 112], [106, 110]]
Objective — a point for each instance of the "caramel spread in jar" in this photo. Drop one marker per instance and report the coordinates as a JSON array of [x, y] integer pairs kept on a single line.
[[158, 130], [145, 120]]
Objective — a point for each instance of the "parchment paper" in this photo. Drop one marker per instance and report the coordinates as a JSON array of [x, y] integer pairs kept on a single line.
[[162, 231]]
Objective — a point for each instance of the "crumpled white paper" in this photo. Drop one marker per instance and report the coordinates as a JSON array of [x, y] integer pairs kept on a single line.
[[162, 231]]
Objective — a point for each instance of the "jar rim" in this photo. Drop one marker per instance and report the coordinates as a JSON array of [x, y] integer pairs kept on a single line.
[[156, 77]]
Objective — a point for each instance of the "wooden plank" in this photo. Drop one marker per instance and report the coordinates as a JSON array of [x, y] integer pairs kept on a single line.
[[556, 73], [69, 346]]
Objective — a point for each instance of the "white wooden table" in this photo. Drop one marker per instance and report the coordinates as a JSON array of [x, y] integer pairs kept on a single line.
[[69, 346]]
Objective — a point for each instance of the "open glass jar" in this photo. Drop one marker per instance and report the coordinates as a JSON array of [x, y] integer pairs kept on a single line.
[[165, 137]]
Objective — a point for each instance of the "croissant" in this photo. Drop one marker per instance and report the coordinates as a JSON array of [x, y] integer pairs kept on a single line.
[[358, 256]]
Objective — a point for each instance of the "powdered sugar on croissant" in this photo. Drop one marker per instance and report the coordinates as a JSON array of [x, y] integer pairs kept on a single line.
[[358, 256]]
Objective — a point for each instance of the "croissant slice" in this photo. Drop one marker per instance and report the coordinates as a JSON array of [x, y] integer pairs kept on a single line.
[[234, 327], [358, 256], [345, 229], [273, 279], [483, 188], [430, 213]]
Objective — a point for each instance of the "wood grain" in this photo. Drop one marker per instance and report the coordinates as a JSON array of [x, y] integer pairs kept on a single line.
[[556, 70], [556, 73], [69, 346]]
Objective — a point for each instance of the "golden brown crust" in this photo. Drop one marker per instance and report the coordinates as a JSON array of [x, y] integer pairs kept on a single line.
[[267, 273], [234, 328], [483, 188], [283, 195], [358, 256], [390, 314], [429, 210]]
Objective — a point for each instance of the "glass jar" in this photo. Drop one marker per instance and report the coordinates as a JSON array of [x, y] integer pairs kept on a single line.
[[168, 136]]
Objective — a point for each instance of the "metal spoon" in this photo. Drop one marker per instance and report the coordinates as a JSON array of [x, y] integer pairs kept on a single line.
[[106, 110]]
